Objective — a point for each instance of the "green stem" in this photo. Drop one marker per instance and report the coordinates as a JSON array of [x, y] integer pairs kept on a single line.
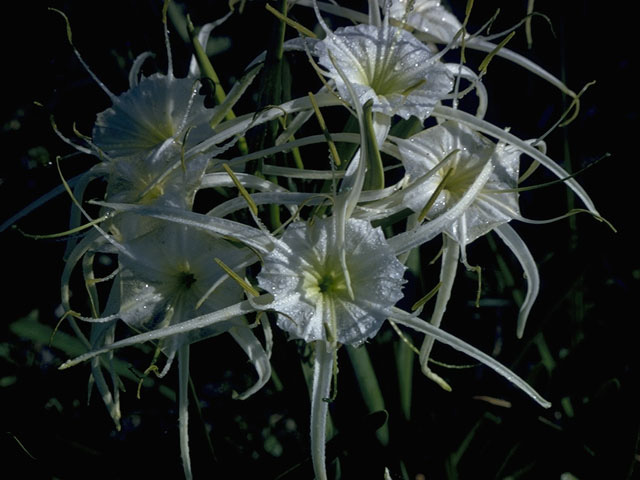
[[369, 387]]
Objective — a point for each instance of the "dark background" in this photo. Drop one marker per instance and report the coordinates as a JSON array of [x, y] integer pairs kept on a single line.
[[586, 311]]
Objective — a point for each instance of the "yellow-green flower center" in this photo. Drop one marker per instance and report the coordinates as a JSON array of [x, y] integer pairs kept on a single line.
[[327, 280]]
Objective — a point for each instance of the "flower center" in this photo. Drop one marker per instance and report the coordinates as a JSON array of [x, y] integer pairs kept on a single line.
[[327, 280], [329, 283], [387, 78], [186, 279], [458, 179]]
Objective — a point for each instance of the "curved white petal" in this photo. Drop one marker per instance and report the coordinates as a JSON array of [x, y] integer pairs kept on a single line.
[[223, 315], [522, 253], [183, 408], [450, 256], [257, 356], [410, 321]]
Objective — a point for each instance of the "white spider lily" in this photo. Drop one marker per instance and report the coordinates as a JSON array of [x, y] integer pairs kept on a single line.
[[168, 273], [387, 65], [467, 155], [153, 115], [157, 113], [304, 274], [165, 280], [462, 167]]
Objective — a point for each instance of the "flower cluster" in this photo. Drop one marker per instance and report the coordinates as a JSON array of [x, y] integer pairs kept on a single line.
[[322, 250]]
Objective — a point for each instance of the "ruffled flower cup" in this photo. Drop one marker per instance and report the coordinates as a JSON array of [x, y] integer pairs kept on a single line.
[[386, 65]]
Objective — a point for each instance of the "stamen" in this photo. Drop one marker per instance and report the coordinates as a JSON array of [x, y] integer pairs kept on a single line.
[[420, 303], [66, 232], [374, 175], [68, 313], [485, 63], [325, 130], [546, 184], [242, 190], [108, 238], [434, 196], [165, 7], [292, 23], [404, 338], [245, 285], [527, 24]]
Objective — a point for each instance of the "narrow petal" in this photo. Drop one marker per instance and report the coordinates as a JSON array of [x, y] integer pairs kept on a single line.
[[403, 318], [222, 315], [522, 253], [183, 408], [448, 268], [252, 237], [257, 356]]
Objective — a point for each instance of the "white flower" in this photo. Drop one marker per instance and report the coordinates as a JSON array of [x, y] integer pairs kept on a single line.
[[165, 280], [492, 203], [474, 182], [158, 111], [168, 273], [305, 275], [323, 297], [389, 66]]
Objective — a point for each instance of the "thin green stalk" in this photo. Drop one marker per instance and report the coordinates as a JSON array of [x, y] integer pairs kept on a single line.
[[369, 386], [207, 70]]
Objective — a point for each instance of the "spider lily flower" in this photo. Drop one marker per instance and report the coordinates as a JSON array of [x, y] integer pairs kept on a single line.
[[165, 280], [306, 279], [387, 65], [463, 168], [305, 275], [157, 113], [154, 114], [468, 157]]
